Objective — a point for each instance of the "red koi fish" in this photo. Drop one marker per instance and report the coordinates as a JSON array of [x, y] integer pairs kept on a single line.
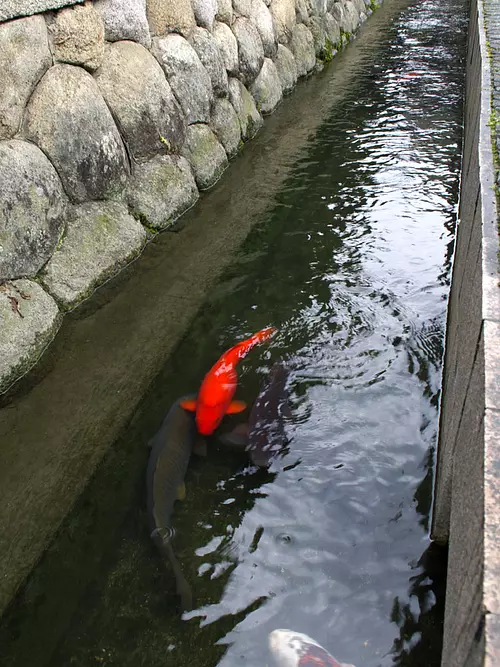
[[215, 398]]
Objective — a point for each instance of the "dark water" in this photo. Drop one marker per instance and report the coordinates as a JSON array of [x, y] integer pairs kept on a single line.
[[352, 264]]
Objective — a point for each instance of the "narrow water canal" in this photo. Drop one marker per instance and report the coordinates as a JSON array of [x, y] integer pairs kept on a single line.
[[351, 262]]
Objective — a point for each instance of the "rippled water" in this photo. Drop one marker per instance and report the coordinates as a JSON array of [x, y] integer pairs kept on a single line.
[[352, 264]]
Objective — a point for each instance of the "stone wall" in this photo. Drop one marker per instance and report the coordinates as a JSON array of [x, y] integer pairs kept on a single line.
[[467, 490], [114, 115]]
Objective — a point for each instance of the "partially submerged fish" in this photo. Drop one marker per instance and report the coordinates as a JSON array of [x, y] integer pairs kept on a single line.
[[215, 398], [264, 435], [294, 649], [168, 462]]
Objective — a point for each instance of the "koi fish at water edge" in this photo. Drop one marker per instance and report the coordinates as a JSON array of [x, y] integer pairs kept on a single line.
[[215, 397], [264, 436], [294, 649]]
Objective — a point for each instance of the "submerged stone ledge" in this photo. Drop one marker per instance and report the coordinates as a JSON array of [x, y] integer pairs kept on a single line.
[[117, 113], [30, 319]]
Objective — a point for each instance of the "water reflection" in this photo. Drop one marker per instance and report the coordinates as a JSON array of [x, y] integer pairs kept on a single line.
[[420, 619]]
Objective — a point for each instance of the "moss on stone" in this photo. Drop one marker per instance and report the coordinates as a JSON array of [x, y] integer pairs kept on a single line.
[[166, 142], [202, 148], [143, 219], [345, 38], [494, 124], [328, 51]]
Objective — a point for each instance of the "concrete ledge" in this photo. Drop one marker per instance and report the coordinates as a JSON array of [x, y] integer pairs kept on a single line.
[[467, 488]]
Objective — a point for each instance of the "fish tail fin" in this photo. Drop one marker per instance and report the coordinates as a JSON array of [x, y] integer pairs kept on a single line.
[[183, 588], [240, 350], [265, 334]]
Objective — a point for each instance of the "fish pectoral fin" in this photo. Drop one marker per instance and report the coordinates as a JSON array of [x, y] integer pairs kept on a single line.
[[189, 404], [200, 447], [235, 407], [238, 436], [181, 491]]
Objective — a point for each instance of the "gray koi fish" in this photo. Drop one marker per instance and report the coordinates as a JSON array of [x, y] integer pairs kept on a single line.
[[171, 450]]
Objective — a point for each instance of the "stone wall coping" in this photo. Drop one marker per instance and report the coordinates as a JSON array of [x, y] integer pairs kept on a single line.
[[488, 133], [13, 9]]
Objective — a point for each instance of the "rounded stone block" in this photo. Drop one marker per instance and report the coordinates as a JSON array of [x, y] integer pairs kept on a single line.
[[302, 47], [283, 12], [228, 47], [30, 319], [250, 50], [32, 209], [262, 19], [68, 119], [332, 29], [318, 31], [205, 154], [242, 8], [204, 12], [248, 115], [124, 19], [209, 53], [24, 59], [190, 81], [100, 239], [161, 190], [301, 11], [351, 17], [316, 7], [141, 100], [286, 68], [346, 15], [77, 36], [360, 6], [226, 125], [224, 11], [266, 89], [170, 16]]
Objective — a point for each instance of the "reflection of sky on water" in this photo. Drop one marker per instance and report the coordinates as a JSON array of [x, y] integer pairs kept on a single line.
[[367, 331]]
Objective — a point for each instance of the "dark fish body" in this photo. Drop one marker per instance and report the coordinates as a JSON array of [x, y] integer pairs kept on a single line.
[[265, 435], [171, 450]]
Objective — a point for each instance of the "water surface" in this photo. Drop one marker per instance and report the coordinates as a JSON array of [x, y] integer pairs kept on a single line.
[[352, 263]]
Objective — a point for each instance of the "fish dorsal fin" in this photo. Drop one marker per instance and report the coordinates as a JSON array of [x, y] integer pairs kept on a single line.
[[235, 407]]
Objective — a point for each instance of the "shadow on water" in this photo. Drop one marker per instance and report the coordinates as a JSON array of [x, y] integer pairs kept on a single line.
[[352, 264]]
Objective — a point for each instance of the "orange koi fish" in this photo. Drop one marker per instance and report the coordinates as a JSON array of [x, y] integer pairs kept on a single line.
[[215, 398]]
